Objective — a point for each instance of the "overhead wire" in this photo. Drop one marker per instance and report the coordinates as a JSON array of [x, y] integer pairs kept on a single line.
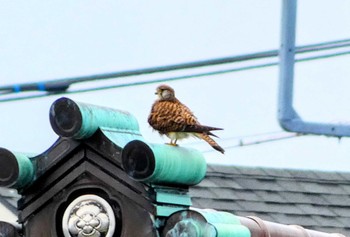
[[60, 86], [167, 79], [223, 139], [63, 84], [243, 143]]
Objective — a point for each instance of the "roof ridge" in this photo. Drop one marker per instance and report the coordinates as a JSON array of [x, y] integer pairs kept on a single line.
[[212, 165], [340, 180], [280, 173]]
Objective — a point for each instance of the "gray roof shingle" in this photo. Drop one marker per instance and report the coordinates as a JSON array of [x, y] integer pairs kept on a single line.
[[8, 199], [316, 200]]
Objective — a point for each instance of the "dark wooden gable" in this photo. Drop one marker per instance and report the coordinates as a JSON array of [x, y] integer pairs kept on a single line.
[[75, 168]]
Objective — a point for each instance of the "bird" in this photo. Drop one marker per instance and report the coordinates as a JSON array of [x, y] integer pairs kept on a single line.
[[172, 118]]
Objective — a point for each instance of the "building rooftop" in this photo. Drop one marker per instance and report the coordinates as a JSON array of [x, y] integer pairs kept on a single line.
[[8, 205], [101, 158], [316, 200], [313, 199]]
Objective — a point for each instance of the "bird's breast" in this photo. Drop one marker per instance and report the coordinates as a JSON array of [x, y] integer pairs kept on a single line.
[[178, 135]]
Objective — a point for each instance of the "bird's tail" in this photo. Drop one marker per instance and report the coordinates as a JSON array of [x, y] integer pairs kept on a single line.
[[211, 142], [200, 128]]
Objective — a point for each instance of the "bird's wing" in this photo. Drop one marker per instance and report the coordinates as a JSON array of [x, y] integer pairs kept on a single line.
[[171, 116], [192, 125], [201, 129]]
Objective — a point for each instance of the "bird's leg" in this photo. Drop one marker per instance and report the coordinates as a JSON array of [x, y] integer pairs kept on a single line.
[[172, 142], [175, 142]]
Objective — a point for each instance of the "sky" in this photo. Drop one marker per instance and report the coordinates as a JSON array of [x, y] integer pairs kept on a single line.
[[42, 41]]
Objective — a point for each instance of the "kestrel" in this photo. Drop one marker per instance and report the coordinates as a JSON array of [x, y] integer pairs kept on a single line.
[[175, 120]]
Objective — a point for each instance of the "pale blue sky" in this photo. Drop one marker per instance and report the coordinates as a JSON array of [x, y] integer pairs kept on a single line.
[[51, 40]]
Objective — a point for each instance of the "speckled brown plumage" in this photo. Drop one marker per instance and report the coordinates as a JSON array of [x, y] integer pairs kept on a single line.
[[172, 118]]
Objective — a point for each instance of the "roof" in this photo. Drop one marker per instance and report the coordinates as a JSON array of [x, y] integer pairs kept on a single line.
[[8, 198], [96, 144], [313, 199], [8, 205]]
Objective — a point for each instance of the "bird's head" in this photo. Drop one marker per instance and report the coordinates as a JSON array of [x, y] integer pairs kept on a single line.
[[165, 92]]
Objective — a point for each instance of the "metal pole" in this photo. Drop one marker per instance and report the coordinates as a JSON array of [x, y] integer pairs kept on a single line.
[[287, 54], [287, 116]]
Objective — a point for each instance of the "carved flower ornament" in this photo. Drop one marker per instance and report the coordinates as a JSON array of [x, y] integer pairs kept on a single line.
[[88, 216]]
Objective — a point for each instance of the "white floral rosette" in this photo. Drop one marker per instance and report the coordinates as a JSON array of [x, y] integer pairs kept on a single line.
[[88, 216]]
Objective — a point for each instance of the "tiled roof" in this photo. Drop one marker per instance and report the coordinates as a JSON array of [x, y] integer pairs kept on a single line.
[[8, 205], [313, 199], [9, 198]]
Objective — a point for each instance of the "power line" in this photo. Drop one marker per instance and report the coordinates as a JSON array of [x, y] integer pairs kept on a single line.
[[254, 135], [167, 79], [61, 85], [242, 143], [323, 46]]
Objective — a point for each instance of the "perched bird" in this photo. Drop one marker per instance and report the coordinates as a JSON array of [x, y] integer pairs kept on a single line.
[[172, 118]]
